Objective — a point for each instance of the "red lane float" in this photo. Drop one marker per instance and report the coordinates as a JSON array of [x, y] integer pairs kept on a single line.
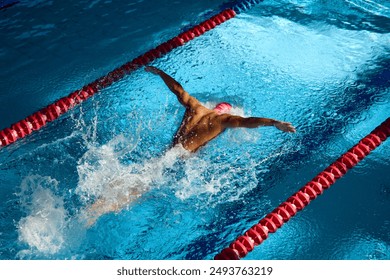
[[282, 214], [39, 119]]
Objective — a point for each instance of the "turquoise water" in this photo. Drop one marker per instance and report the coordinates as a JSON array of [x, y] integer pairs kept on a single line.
[[325, 68]]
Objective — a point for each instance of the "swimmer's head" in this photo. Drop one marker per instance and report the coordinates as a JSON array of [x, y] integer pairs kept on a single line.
[[222, 108]]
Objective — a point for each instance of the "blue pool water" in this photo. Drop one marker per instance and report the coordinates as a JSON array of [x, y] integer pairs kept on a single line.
[[323, 67]]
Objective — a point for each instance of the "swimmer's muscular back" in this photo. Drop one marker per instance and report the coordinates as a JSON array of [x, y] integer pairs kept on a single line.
[[200, 124]]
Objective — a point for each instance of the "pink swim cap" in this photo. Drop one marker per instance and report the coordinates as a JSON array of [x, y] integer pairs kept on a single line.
[[222, 108]]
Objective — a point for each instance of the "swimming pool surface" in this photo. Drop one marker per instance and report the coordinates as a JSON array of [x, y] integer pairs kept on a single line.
[[322, 66]]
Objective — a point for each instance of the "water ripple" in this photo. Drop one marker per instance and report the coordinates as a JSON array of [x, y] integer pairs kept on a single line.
[[376, 7]]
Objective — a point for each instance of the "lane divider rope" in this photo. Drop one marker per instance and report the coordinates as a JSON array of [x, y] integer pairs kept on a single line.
[[299, 200], [6, 5], [53, 111]]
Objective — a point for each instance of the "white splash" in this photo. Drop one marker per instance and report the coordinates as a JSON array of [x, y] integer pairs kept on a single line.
[[43, 227], [109, 185]]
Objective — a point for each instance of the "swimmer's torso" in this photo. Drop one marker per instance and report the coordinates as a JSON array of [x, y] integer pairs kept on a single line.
[[198, 127]]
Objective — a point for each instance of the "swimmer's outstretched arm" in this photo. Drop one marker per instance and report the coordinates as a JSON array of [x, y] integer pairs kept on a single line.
[[253, 122], [184, 98]]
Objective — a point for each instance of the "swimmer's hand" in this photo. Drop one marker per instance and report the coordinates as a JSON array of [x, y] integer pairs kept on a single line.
[[153, 70], [285, 126]]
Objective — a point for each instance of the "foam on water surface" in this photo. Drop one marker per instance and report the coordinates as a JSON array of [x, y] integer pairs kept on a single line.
[[108, 183], [43, 227]]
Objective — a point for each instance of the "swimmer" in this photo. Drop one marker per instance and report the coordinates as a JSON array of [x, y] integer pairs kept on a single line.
[[200, 124], [198, 127]]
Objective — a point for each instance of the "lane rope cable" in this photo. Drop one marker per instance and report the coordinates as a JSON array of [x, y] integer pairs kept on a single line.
[[53, 111], [299, 200]]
